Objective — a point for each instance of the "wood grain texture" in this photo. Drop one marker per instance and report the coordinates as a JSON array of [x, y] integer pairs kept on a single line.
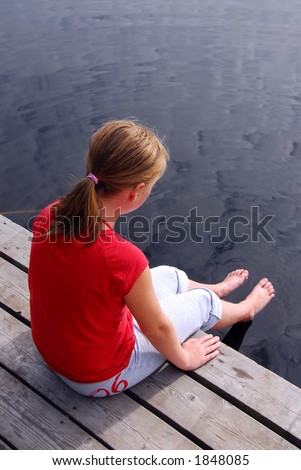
[[256, 388], [119, 420], [29, 422], [14, 241], [14, 291], [210, 418]]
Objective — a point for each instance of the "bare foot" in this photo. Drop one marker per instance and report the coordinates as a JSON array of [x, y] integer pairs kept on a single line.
[[231, 282], [260, 296]]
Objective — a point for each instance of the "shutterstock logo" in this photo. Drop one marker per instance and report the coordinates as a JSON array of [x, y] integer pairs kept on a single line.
[[174, 229], [177, 228]]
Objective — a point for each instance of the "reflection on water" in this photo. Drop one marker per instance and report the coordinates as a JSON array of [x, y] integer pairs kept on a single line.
[[222, 82]]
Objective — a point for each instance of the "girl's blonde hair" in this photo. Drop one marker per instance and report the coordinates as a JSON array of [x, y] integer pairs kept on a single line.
[[121, 155]]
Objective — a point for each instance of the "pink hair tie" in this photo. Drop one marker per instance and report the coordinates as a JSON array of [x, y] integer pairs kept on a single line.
[[93, 177]]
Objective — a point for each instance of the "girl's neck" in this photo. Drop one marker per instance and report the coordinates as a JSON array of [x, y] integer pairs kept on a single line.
[[110, 210], [123, 202], [110, 217]]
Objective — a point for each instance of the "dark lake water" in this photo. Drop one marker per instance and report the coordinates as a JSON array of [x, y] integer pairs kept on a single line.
[[221, 80]]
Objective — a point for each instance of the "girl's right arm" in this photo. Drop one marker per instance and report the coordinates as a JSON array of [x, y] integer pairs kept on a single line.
[[158, 328]]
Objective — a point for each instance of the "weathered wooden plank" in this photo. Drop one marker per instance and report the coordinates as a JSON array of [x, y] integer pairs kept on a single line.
[[256, 388], [118, 420], [14, 291], [199, 411], [14, 241], [29, 422]]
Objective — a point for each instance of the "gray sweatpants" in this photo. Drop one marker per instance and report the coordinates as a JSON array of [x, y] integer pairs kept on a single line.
[[189, 310]]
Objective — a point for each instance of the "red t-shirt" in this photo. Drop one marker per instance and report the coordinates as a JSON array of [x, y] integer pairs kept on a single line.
[[80, 323]]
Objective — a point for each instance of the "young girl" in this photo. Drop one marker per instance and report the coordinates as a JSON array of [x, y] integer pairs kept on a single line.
[[101, 319]]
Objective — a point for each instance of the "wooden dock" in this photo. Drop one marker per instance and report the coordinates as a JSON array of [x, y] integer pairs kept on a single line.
[[230, 403]]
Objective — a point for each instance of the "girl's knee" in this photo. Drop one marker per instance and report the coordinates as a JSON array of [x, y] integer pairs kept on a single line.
[[168, 280]]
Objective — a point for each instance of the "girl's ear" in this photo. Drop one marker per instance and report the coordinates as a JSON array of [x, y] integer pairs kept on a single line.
[[135, 191]]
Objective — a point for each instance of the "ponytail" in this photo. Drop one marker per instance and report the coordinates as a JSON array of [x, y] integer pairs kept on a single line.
[[77, 214]]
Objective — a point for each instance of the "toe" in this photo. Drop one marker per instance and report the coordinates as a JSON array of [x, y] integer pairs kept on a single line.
[[263, 282], [238, 272]]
